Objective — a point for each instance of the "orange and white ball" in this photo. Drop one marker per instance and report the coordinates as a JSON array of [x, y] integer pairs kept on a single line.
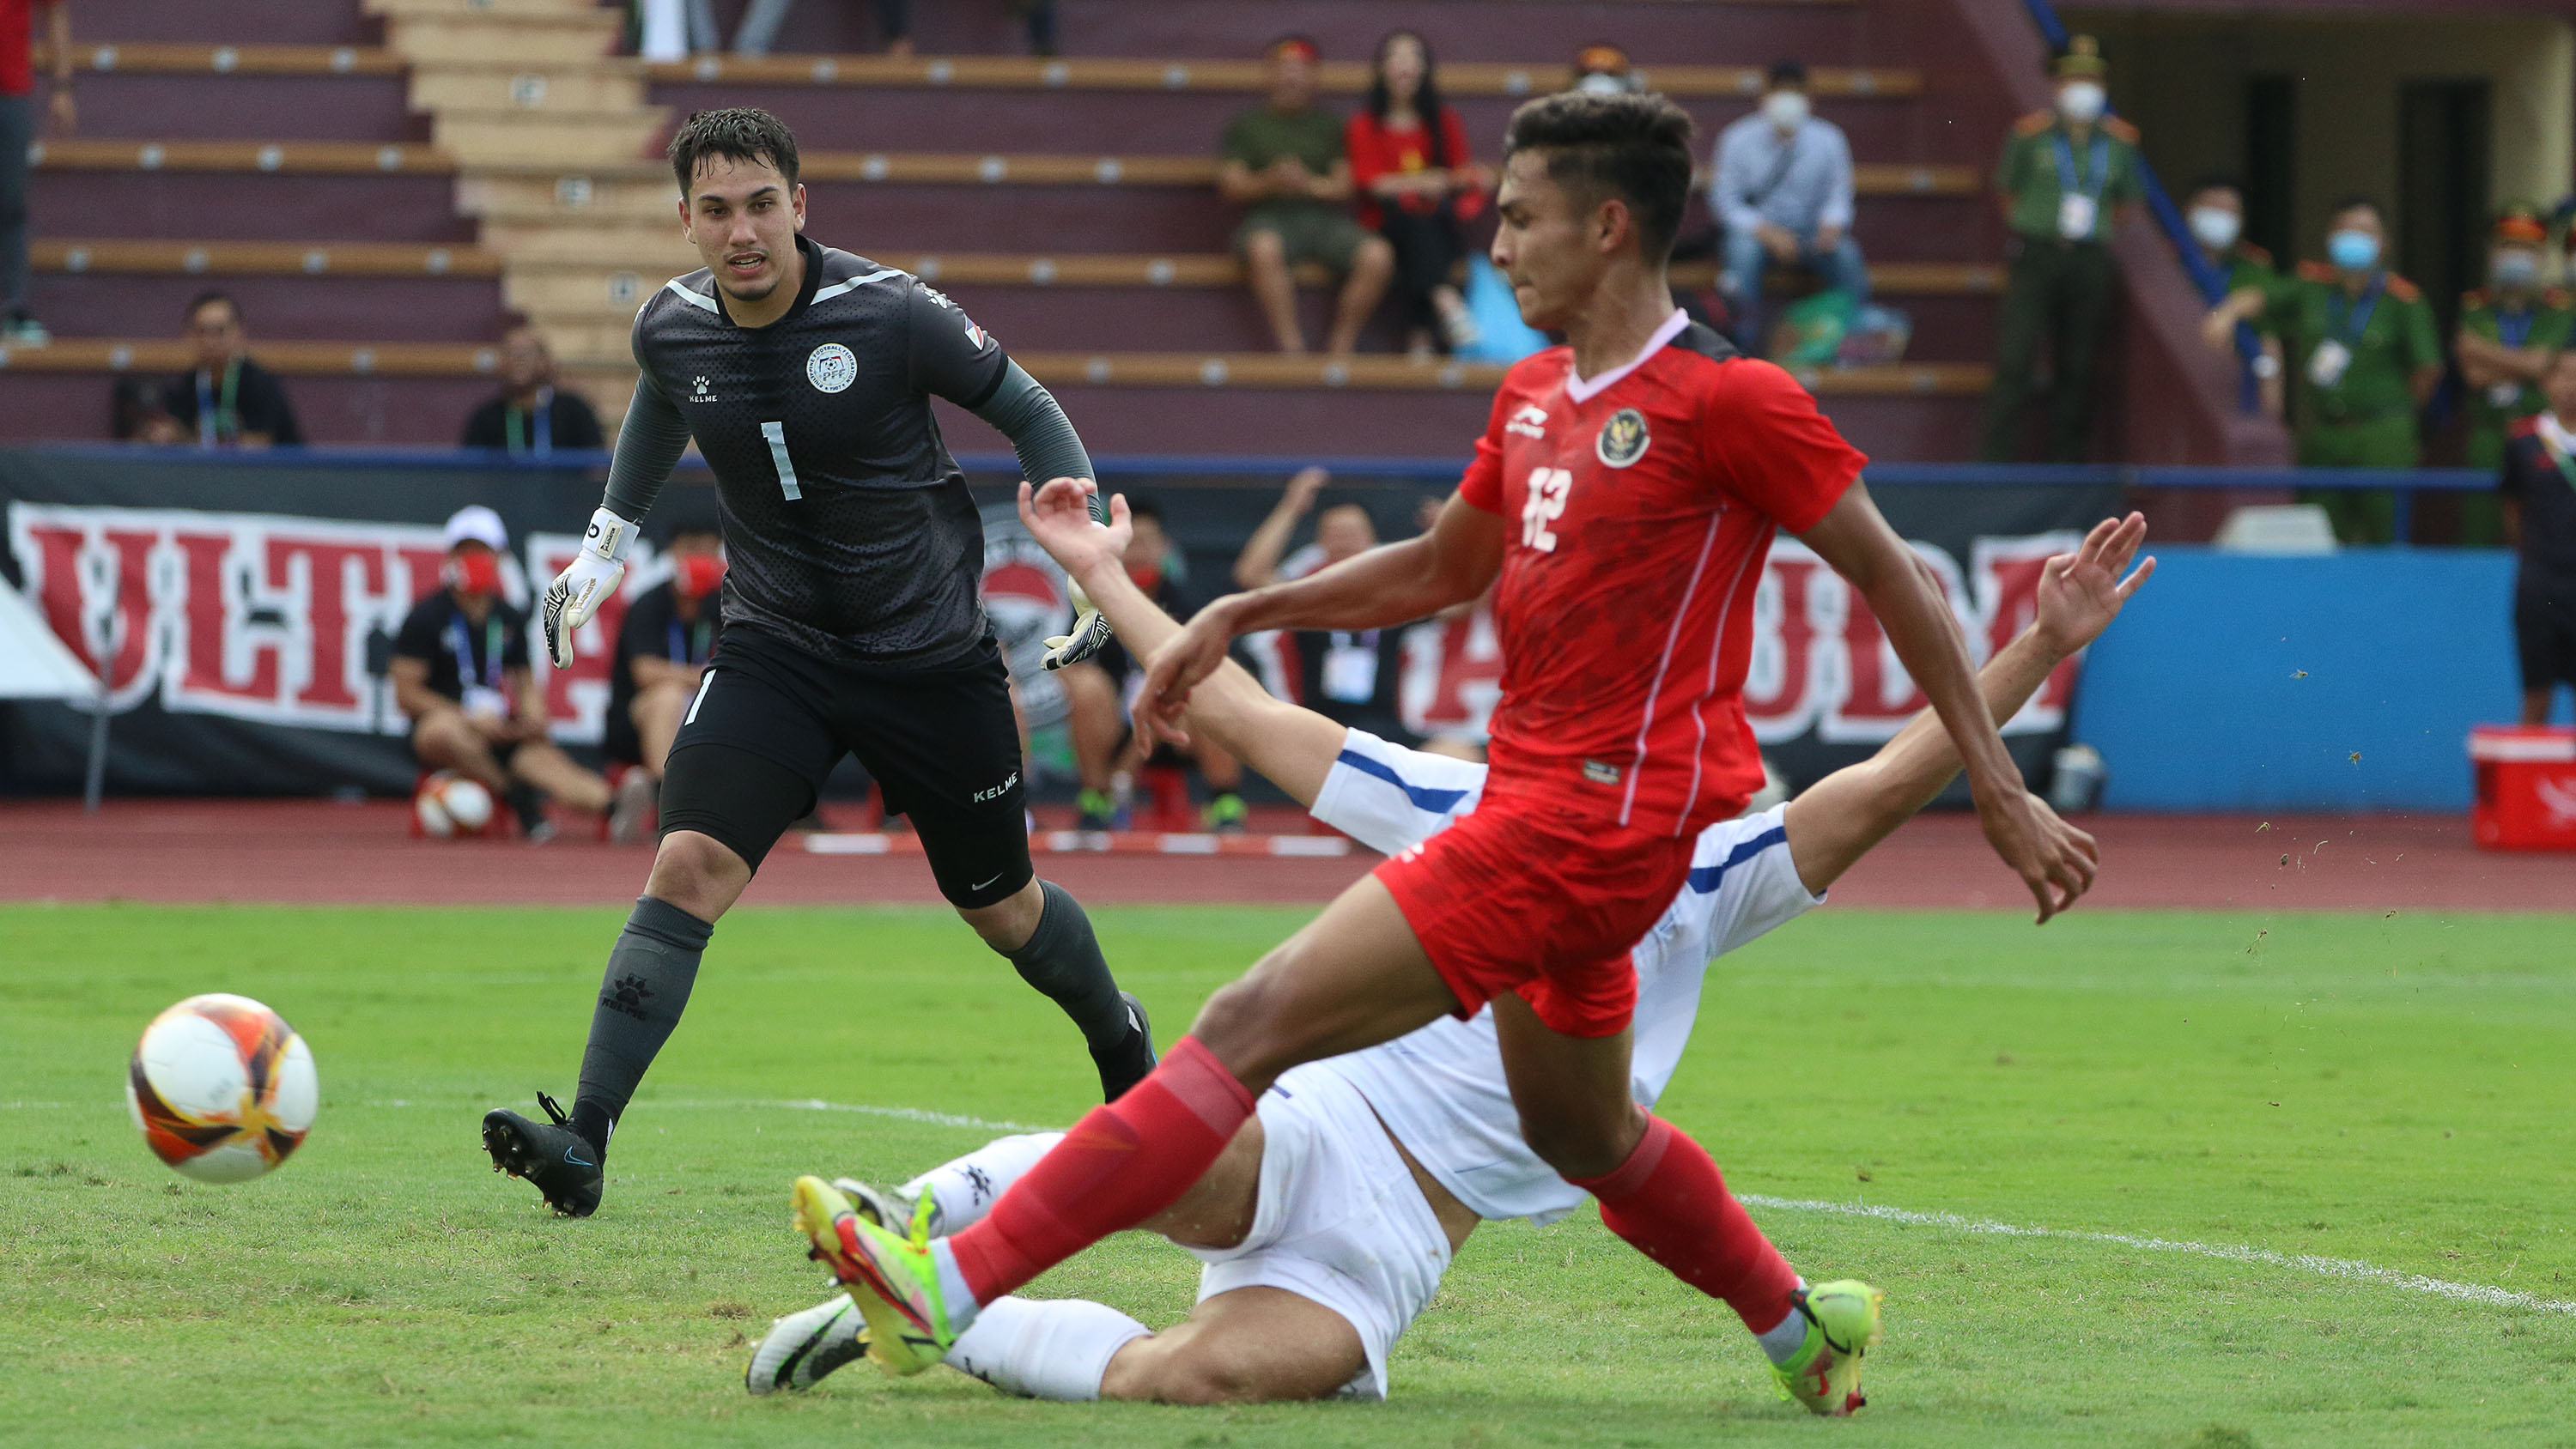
[[450, 804], [222, 1088]]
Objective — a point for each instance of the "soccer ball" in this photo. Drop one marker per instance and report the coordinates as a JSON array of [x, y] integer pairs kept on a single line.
[[222, 1088], [449, 804]]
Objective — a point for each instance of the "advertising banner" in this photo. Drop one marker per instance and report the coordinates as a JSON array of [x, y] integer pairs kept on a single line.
[[241, 610]]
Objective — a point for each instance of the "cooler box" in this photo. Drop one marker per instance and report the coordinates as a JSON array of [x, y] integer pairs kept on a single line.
[[2526, 798]]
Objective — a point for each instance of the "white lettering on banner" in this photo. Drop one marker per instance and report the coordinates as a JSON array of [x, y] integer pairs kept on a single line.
[[267, 617], [1821, 663]]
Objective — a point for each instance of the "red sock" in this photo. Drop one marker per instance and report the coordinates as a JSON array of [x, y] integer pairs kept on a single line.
[[1121, 1164], [1669, 1202]]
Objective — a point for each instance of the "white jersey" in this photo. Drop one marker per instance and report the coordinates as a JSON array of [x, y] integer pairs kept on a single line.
[[1440, 1090]]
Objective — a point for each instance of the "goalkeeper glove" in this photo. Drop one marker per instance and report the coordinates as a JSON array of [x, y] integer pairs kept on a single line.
[[586, 583]]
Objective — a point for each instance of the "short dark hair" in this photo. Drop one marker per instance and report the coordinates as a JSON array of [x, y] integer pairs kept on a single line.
[[2355, 202], [2215, 181], [205, 298], [1788, 70], [1636, 147], [737, 134], [1141, 505]]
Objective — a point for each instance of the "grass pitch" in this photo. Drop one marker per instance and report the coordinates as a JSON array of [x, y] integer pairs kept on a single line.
[[2393, 1090]]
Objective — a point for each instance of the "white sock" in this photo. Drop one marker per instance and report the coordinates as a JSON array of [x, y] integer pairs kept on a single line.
[[965, 1188], [954, 1294], [1056, 1348], [1782, 1340]]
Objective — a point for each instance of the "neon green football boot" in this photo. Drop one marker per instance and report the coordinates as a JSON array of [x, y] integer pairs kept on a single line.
[[890, 1277], [1842, 1325]]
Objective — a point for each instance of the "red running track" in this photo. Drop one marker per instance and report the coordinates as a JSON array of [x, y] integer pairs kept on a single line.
[[315, 851]]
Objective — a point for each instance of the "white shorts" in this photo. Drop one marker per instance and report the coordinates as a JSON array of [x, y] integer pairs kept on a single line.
[[1339, 1220]]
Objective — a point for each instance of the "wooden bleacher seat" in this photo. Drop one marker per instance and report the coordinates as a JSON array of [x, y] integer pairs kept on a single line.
[[132, 257]]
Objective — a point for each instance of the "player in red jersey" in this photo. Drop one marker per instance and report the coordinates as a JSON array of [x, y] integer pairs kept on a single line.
[[1626, 490]]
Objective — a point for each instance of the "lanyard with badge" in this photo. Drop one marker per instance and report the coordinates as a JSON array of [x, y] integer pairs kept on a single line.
[[2079, 210], [2512, 329], [2333, 357], [1350, 667], [482, 697], [691, 647], [2553, 441], [218, 411], [540, 419]]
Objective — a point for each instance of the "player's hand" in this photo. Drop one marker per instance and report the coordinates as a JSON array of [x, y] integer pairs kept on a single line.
[[1060, 517], [2080, 593], [2056, 860], [585, 583], [1177, 667]]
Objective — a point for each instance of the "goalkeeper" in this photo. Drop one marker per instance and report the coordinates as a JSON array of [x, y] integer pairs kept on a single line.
[[852, 621]]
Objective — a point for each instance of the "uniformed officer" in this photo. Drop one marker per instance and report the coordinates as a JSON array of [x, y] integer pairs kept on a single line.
[[2366, 357], [2064, 171], [2510, 331], [2216, 215]]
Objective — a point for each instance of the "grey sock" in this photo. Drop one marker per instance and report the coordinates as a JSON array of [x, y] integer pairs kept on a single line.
[[1062, 959], [1782, 1342], [650, 971]]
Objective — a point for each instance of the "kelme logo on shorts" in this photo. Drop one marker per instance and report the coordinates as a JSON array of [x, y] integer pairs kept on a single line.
[[1623, 439], [831, 368]]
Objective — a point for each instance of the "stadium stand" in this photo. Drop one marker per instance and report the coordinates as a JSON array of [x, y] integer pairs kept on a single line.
[[384, 181]]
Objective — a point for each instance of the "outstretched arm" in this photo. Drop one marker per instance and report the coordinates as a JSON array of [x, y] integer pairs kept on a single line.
[[1292, 747], [2053, 858], [1847, 813], [1394, 583]]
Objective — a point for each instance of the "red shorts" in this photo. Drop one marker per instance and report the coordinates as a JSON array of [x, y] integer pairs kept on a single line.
[[1527, 897]]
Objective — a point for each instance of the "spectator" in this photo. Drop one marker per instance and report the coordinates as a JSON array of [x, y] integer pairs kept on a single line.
[[2064, 171], [2215, 213], [460, 672], [18, 324], [531, 418], [1602, 69], [1352, 676], [227, 400], [1283, 162], [2364, 344], [2538, 486], [2509, 333], [1100, 699], [669, 633], [1417, 184], [1784, 195]]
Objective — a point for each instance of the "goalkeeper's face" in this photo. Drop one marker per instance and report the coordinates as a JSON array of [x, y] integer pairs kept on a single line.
[[743, 217]]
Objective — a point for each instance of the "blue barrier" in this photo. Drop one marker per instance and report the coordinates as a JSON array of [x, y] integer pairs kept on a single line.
[[2340, 682]]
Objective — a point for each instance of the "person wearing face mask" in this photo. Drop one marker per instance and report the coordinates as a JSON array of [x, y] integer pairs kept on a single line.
[[2362, 343], [2216, 216], [2064, 172], [663, 645], [460, 673], [2510, 332], [1783, 194]]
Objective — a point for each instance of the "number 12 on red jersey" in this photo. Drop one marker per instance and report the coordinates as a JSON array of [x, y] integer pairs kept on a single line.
[[1547, 490]]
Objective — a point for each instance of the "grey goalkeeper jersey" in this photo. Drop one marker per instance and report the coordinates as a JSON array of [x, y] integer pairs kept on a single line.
[[848, 527]]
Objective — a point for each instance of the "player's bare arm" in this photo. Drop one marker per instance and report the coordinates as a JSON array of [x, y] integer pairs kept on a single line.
[[2056, 860], [1291, 746], [1393, 583], [1846, 814]]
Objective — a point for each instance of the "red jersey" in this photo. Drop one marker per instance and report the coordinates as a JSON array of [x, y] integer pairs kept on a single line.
[[1374, 150], [1638, 508], [17, 47]]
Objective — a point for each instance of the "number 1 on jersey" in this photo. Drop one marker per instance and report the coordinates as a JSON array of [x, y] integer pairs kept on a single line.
[[776, 433], [1547, 490]]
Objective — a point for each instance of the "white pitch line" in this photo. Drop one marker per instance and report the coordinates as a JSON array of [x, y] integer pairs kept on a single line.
[[2347, 1268]]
